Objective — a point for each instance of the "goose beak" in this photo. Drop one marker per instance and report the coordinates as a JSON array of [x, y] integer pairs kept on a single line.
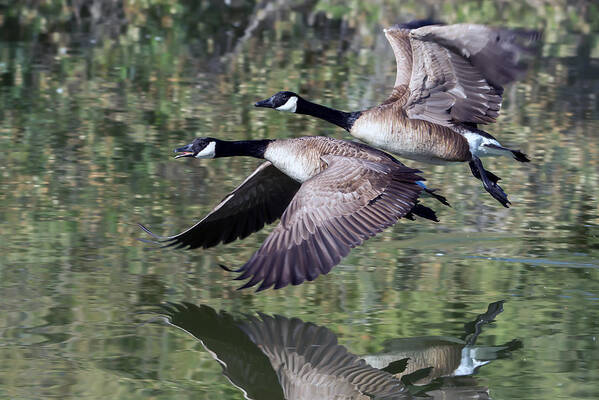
[[185, 151], [265, 103]]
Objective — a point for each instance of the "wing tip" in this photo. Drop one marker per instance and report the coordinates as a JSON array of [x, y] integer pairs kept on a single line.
[[228, 269], [149, 232], [416, 23], [160, 240]]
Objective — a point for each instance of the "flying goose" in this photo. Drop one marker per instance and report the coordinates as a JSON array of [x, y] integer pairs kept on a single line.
[[277, 358], [330, 194], [449, 79]]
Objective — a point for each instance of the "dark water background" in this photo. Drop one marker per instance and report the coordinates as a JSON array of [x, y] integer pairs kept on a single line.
[[95, 95]]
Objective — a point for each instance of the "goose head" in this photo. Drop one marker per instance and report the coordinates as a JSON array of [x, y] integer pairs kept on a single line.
[[281, 101], [202, 147]]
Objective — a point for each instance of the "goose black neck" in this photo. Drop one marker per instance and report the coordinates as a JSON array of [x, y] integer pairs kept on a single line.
[[342, 119], [250, 148]]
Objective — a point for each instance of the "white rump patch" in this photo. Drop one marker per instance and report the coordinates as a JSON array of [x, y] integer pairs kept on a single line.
[[468, 363], [208, 151], [290, 105], [477, 144]]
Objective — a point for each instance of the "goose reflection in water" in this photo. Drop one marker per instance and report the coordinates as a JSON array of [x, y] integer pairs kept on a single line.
[[274, 357]]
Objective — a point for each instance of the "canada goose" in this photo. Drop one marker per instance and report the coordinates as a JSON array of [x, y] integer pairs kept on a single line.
[[277, 358], [331, 195], [449, 79]]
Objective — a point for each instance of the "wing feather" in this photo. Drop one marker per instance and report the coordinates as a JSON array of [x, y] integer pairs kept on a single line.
[[399, 39], [458, 71], [334, 211], [260, 199], [310, 363], [242, 361]]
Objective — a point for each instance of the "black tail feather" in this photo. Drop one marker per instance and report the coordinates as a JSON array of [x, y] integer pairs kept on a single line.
[[422, 211], [519, 156], [439, 197], [418, 23]]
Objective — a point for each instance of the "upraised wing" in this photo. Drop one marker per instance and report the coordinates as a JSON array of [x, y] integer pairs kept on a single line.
[[399, 38], [458, 71], [259, 200], [334, 211]]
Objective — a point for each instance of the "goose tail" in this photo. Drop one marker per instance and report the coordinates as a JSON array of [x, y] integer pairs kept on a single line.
[[432, 193], [518, 155]]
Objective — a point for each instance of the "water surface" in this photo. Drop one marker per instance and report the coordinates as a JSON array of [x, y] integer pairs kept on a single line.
[[92, 104]]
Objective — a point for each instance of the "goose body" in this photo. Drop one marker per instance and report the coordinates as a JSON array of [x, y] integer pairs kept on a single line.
[[449, 80], [330, 195], [388, 127], [301, 158]]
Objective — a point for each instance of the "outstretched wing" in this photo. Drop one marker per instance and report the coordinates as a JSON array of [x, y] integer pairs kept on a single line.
[[347, 203], [458, 71], [259, 200], [311, 364]]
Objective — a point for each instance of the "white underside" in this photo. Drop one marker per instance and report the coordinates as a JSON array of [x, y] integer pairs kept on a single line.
[[478, 145], [468, 363], [290, 162], [380, 361]]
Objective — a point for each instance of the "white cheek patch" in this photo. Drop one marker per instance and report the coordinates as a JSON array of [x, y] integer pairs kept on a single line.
[[208, 151], [290, 105]]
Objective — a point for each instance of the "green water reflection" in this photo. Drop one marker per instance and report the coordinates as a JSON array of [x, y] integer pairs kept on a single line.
[[274, 357], [94, 97]]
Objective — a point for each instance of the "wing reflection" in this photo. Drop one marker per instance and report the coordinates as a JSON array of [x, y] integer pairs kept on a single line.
[[274, 357], [243, 363], [310, 364]]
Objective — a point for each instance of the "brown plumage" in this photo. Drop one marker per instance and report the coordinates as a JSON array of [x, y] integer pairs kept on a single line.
[[457, 71], [442, 354], [331, 195], [449, 79], [337, 209], [412, 138]]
